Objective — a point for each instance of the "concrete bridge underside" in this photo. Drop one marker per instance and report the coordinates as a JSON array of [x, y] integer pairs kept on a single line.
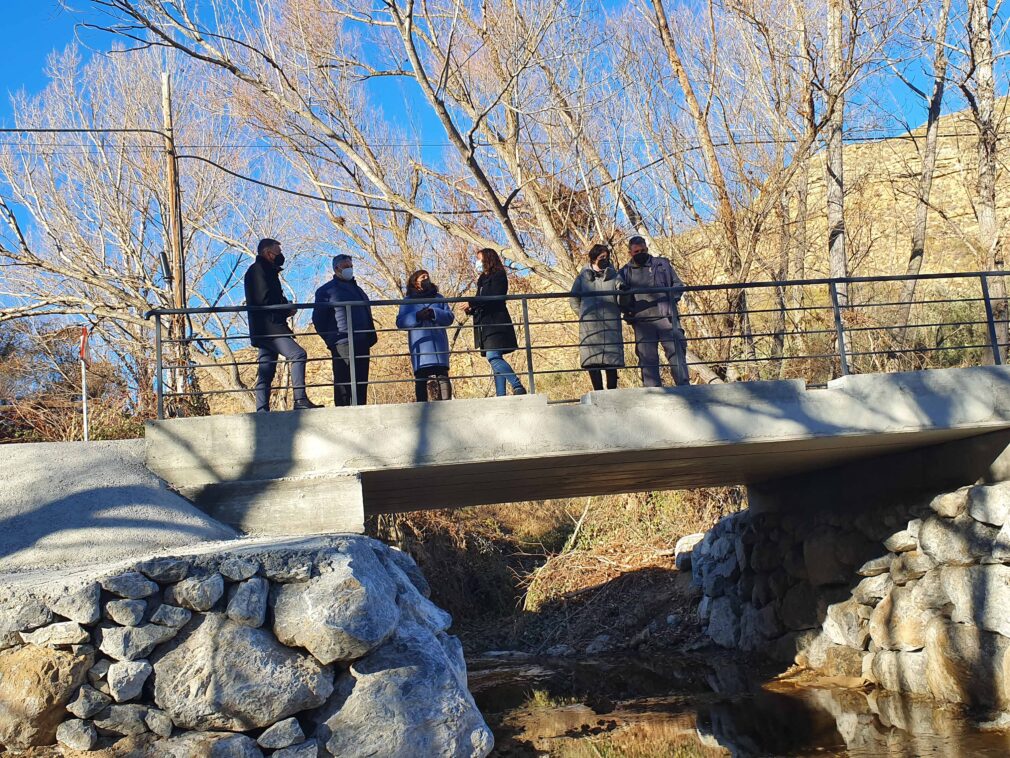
[[325, 470]]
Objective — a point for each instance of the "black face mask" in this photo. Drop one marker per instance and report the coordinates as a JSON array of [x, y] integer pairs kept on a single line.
[[603, 264], [640, 258], [279, 260]]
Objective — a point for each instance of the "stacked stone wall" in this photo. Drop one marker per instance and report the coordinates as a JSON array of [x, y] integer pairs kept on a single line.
[[914, 598], [330, 650]]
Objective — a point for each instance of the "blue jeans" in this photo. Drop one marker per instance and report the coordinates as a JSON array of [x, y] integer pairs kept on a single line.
[[502, 372]]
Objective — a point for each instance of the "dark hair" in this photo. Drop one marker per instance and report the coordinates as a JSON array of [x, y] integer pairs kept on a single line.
[[636, 240], [412, 279], [265, 244], [597, 250], [491, 260]]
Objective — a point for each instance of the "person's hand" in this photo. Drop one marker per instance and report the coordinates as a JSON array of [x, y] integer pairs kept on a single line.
[[425, 313], [468, 309], [292, 313]]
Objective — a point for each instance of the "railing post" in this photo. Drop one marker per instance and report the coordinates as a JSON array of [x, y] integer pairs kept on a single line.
[[531, 378], [997, 357], [839, 329], [352, 361], [158, 381]]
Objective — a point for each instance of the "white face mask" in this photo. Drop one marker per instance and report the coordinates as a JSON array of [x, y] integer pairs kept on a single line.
[[478, 266], [346, 273]]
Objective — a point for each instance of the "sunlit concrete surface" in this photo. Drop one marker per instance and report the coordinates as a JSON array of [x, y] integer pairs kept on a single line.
[[326, 469]]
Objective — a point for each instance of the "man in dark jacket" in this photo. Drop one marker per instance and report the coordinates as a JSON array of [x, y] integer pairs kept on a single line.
[[346, 330], [654, 316], [269, 330]]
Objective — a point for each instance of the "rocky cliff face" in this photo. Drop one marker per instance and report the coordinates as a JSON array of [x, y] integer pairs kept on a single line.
[[913, 598], [324, 647]]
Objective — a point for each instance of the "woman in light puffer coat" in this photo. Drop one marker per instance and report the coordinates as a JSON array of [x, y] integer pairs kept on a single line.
[[601, 339], [427, 338]]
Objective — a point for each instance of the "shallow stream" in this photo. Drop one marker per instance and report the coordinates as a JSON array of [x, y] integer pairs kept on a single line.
[[705, 704]]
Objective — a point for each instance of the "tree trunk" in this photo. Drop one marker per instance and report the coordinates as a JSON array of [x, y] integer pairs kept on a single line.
[[982, 101], [837, 262], [928, 166]]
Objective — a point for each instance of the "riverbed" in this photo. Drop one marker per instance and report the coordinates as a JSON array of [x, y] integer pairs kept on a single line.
[[707, 703]]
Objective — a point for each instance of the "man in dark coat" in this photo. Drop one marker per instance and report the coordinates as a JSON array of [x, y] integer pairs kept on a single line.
[[269, 330], [654, 316], [341, 335]]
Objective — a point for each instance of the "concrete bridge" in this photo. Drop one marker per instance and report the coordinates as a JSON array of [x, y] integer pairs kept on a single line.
[[326, 470]]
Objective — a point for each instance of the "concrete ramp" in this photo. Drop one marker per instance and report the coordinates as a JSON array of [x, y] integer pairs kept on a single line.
[[65, 504], [325, 470]]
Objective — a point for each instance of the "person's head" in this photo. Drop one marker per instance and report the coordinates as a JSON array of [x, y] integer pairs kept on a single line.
[[599, 256], [487, 261], [270, 250], [638, 250], [419, 281], [343, 267]]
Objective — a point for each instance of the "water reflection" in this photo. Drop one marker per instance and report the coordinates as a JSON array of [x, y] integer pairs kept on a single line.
[[706, 706]]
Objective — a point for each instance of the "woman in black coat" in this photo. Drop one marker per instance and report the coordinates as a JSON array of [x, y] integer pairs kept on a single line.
[[493, 332]]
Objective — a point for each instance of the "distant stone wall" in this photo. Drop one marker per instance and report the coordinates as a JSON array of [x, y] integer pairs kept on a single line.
[[334, 650], [914, 597]]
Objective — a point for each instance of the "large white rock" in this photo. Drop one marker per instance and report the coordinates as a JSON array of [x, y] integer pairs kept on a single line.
[[960, 541], [222, 675], [80, 605], [62, 633], [846, 623], [898, 622], [980, 595], [405, 699], [967, 665], [901, 671], [342, 614], [248, 602], [990, 503], [684, 548], [198, 593], [130, 643], [724, 622], [77, 735], [126, 679]]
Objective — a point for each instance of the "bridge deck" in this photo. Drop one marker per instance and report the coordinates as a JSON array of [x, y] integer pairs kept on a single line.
[[324, 470]]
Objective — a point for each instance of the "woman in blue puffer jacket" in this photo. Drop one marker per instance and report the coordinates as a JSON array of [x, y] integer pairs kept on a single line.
[[427, 338]]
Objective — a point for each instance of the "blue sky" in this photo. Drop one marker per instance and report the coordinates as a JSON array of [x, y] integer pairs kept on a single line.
[[33, 29]]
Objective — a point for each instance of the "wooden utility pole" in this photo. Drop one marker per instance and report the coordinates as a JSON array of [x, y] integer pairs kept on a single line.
[[173, 227]]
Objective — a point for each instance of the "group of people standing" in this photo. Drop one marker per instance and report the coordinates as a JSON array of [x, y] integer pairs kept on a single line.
[[602, 297]]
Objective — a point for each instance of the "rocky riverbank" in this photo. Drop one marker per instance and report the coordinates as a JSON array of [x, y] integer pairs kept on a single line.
[[913, 598], [327, 646]]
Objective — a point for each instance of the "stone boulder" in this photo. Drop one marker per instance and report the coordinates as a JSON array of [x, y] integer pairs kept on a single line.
[[219, 674], [205, 745], [990, 503], [846, 624], [198, 593], [901, 671], [724, 622], [36, 684], [961, 541], [80, 605], [967, 665], [950, 504], [684, 548], [407, 698], [898, 622], [980, 595], [130, 643], [342, 614]]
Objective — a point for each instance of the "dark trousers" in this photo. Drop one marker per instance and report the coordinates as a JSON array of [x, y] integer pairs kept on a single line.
[[269, 350], [649, 335], [426, 373], [342, 375], [596, 377]]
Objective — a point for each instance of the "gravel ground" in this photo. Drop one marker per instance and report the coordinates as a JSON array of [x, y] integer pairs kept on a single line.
[[69, 504]]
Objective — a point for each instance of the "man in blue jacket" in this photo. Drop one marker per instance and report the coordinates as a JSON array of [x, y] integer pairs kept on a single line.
[[342, 335], [269, 330]]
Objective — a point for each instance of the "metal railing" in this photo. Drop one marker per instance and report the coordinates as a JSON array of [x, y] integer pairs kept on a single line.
[[814, 329]]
